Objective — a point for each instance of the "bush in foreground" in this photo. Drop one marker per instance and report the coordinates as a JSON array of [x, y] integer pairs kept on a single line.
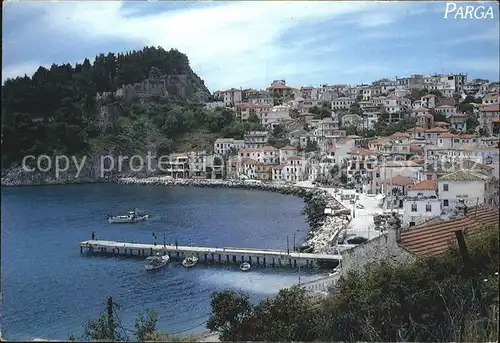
[[432, 299]]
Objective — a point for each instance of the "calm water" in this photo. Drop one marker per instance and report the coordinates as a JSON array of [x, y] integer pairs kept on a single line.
[[49, 290]]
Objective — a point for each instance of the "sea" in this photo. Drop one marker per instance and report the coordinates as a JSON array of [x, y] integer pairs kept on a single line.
[[50, 290]]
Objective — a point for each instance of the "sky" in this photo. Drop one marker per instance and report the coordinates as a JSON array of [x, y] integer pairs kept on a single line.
[[250, 44]]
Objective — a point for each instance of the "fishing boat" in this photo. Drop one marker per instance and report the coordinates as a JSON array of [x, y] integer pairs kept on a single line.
[[156, 262], [190, 261], [245, 266], [130, 218]]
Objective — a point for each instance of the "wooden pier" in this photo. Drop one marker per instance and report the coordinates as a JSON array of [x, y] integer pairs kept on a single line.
[[264, 257]]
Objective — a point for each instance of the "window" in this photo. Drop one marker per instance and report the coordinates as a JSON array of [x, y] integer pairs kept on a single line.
[[412, 224], [414, 207], [445, 187], [445, 202], [420, 194], [429, 176], [428, 208]]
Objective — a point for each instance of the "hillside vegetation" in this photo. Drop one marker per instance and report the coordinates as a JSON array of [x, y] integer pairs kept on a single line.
[[147, 100], [430, 300]]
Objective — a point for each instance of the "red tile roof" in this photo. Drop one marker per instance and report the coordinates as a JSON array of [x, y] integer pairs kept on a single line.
[[434, 239], [400, 180], [491, 108], [362, 152], [416, 129], [426, 185], [400, 135], [467, 136], [447, 135], [288, 147], [436, 130], [249, 150], [269, 148], [249, 161], [250, 105]]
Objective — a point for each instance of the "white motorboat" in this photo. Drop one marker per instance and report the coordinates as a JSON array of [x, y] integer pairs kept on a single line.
[[156, 262], [190, 261], [245, 266], [359, 206], [131, 217]]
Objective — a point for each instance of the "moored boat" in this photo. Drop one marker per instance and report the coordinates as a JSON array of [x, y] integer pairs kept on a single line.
[[190, 261], [131, 217], [156, 262], [245, 266]]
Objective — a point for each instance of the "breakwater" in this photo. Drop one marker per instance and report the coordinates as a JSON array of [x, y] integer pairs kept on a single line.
[[323, 227]]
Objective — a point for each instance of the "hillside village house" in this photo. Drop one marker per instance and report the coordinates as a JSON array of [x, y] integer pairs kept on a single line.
[[256, 139], [342, 103], [446, 110], [244, 110], [489, 119], [491, 99], [279, 90], [361, 164], [389, 169], [223, 146], [275, 116], [458, 122], [309, 92], [395, 190], [294, 169], [286, 152], [429, 101], [351, 120], [421, 203], [232, 96], [471, 186]]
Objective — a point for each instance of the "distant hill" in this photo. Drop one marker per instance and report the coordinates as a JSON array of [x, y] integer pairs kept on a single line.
[[129, 103]]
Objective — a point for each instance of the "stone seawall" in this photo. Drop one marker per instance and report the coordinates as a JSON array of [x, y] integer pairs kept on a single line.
[[322, 227]]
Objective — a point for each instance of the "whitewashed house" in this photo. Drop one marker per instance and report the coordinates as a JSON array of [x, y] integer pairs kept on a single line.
[[468, 185], [294, 169], [421, 203]]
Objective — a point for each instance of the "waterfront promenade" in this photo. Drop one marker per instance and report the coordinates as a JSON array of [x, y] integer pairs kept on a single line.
[[265, 257]]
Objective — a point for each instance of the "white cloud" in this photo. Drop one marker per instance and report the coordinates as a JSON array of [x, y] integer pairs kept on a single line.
[[228, 44]]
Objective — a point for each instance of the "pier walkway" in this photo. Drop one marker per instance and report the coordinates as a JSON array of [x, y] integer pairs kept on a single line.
[[260, 256]]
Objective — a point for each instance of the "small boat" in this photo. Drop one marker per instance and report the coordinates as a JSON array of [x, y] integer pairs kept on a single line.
[[190, 261], [156, 262], [131, 217], [359, 206], [245, 266]]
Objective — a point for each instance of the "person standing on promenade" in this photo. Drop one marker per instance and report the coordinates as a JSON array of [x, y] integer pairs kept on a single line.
[[176, 245], [93, 235]]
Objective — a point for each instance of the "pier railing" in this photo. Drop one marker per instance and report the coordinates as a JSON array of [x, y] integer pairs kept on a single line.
[[321, 285]]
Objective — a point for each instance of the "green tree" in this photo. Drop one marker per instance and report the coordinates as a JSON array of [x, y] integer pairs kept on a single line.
[[351, 130], [229, 312], [105, 326], [430, 299], [311, 146]]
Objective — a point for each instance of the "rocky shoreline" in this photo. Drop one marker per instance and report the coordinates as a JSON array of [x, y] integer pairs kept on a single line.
[[323, 229]]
